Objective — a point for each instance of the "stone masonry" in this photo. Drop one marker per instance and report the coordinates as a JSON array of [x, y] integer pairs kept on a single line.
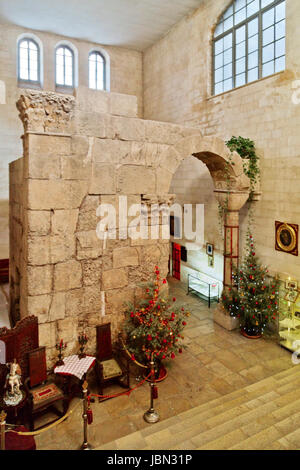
[[79, 153]]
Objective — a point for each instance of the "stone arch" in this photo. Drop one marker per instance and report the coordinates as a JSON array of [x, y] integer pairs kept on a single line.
[[220, 162]]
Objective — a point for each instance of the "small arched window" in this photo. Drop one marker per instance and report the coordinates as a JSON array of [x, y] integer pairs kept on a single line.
[[64, 67], [29, 61], [249, 43], [97, 72]]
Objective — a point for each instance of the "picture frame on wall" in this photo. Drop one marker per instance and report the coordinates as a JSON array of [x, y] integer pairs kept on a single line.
[[209, 249], [286, 238], [292, 296], [211, 261], [289, 284]]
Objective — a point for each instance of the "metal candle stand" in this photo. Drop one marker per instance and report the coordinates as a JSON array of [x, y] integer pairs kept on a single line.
[[85, 445], [151, 416]]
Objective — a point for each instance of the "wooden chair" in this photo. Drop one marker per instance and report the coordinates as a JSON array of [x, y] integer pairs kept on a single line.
[[43, 394], [111, 364]]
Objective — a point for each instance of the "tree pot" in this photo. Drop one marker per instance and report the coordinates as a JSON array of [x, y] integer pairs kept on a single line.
[[249, 336]]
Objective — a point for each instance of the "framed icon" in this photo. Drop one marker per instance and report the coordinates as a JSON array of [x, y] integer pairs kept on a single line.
[[292, 296], [287, 238], [209, 249], [292, 285]]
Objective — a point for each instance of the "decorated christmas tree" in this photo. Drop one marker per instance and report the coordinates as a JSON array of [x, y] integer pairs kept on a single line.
[[155, 325], [255, 298]]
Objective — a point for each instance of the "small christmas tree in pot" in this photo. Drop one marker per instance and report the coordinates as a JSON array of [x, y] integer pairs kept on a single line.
[[155, 326], [255, 298]]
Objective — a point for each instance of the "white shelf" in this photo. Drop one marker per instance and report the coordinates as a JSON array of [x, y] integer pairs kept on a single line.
[[290, 323]]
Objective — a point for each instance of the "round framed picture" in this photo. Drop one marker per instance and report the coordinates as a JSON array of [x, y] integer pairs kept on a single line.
[[287, 238]]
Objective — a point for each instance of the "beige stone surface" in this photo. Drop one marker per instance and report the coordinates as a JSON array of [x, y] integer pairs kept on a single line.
[[127, 256], [67, 275], [114, 279]]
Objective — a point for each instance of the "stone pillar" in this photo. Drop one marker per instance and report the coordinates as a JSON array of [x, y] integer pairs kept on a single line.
[[233, 202]]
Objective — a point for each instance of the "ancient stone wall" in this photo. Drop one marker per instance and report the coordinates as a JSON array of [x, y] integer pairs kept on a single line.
[[78, 154], [177, 88]]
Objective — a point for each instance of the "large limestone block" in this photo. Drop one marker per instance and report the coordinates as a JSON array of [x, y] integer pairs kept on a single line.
[[166, 133], [163, 180], [39, 305], [93, 100], [123, 105], [80, 145], [67, 275], [55, 194], [74, 167], [91, 272], [114, 279], [58, 306], [83, 301], [42, 155], [136, 180], [47, 334], [92, 124], [64, 221], [127, 256], [115, 301], [39, 279], [38, 222], [110, 151], [39, 251], [88, 245], [68, 330], [103, 179], [62, 247], [127, 128]]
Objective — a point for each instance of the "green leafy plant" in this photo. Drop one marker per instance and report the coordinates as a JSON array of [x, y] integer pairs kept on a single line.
[[246, 149]]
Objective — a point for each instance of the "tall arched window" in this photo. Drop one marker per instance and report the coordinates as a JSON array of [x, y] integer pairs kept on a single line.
[[249, 43], [29, 69], [64, 67], [97, 72]]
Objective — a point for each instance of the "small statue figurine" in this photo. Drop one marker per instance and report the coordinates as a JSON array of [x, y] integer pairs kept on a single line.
[[13, 394]]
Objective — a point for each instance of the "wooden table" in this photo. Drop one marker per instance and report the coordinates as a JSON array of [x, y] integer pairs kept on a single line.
[[73, 373]]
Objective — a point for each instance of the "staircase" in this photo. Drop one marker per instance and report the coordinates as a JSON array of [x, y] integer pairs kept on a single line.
[[261, 416]]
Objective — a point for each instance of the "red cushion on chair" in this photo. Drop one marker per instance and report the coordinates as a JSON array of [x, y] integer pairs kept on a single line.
[[15, 442]]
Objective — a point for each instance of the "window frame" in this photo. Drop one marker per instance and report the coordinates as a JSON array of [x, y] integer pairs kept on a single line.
[[27, 82], [96, 52], [64, 87], [259, 15]]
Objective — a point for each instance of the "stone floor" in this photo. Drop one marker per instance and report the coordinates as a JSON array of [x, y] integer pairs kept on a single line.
[[215, 363]]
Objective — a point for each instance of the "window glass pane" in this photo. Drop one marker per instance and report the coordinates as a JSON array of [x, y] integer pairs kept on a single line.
[[240, 34], [240, 16], [280, 47], [24, 73], [92, 73], [268, 35], [280, 64], [228, 12], [253, 75], [227, 71], [280, 12], [265, 3], [228, 84], [68, 53], [32, 46], [218, 61], [253, 60], [268, 69], [252, 8], [227, 56], [219, 46], [219, 29], [240, 50], [239, 4], [268, 18], [240, 65], [228, 24], [252, 27], [253, 44], [268, 53], [59, 75], [240, 79], [33, 74], [28, 60], [227, 41], [219, 88], [219, 75], [69, 80], [280, 30]]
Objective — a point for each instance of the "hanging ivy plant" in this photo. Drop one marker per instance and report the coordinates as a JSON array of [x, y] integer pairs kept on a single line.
[[246, 150]]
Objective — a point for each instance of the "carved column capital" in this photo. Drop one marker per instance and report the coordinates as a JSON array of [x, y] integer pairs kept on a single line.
[[45, 111]]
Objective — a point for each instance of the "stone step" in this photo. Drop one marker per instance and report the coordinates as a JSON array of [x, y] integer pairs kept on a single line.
[[260, 416]]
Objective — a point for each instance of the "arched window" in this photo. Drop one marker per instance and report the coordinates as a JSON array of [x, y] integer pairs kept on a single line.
[[249, 43], [64, 67], [29, 69], [97, 72]]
